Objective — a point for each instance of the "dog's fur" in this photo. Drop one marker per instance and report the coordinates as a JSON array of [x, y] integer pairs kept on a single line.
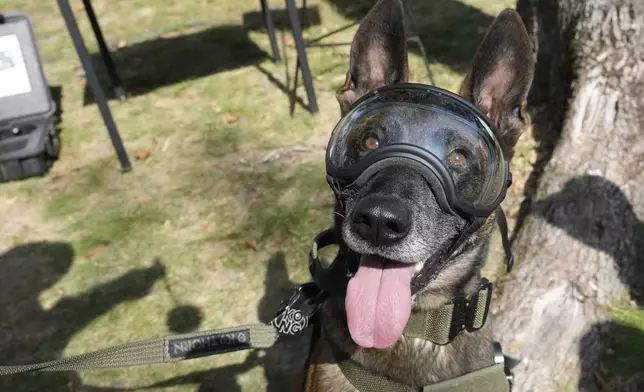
[[498, 83]]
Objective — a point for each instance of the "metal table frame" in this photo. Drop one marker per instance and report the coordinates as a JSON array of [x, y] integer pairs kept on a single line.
[[92, 78], [117, 84]]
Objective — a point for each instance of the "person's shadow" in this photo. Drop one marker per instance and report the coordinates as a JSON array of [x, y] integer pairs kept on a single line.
[[596, 212], [284, 364], [32, 332]]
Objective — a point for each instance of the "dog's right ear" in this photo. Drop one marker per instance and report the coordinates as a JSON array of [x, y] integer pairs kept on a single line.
[[378, 53]]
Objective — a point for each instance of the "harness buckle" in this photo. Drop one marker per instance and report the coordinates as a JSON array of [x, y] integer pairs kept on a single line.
[[459, 316], [296, 312], [464, 314], [499, 358]]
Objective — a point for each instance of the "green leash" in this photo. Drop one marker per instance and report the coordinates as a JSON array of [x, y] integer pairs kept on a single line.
[[291, 320], [161, 350]]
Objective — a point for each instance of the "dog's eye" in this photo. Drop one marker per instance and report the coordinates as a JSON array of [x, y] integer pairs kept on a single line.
[[370, 142], [457, 159]]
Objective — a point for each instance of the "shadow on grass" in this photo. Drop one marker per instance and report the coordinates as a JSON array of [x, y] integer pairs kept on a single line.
[[254, 20], [174, 58], [619, 371], [32, 333], [160, 62], [596, 212], [284, 364], [450, 30]]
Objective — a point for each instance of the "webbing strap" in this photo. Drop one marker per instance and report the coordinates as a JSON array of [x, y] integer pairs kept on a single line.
[[161, 350], [488, 379], [441, 325], [432, 324], [362, 379]]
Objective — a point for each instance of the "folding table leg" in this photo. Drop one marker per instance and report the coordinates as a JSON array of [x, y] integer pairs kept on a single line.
[[94, 84], [300, 46], [119, 90], [270, 28]]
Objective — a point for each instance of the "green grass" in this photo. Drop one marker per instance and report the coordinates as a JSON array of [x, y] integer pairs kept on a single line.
[[625, 357], [92, 257]]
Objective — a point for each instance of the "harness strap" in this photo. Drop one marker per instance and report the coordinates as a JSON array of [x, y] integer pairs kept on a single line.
[[442, 325], [161, 350], [488, 379], [364, 380], [491, 378]]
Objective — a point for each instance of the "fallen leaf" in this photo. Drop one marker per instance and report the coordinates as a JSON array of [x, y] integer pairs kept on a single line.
[[289, 42], [79, 8], [93, 252], [171, 34], [166, 144], [11, 201], [121, 44], [167, 103], [255, 197], [135, 185], [72, 154], [167, 225], [212, 103], [231, 118], [204, 227], [252, 245], [142, 154]]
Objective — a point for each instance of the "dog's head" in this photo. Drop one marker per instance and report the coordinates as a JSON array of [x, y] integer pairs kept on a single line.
[[394, 220]]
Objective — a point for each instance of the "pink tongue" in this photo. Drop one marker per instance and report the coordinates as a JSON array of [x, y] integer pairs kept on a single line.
[[378, 302]]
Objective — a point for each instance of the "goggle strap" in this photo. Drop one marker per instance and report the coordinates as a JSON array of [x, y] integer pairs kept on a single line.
[[505, 239]]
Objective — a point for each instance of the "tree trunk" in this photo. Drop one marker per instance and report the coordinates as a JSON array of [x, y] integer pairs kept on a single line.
[[580, 236]]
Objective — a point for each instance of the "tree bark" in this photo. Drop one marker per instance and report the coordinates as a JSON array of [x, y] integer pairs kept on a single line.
[[580, 237]]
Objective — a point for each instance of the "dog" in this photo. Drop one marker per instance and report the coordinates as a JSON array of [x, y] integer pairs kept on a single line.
[[497, 83]]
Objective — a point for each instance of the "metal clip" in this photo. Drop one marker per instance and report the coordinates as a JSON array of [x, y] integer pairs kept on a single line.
[[296, 312]]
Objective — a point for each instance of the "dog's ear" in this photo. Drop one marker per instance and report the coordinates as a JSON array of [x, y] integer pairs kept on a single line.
[[378, 53], [501, 76]]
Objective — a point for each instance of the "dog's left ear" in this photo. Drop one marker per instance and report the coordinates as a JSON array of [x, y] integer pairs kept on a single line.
[[501, 76], [378, 53]]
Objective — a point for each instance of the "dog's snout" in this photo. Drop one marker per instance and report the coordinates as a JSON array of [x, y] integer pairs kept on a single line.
[[381, 221]]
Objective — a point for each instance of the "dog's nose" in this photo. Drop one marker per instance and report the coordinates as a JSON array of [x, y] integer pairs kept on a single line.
[[381, 221]]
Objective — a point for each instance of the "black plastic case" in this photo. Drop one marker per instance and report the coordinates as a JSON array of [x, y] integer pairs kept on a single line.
[[29, 142]]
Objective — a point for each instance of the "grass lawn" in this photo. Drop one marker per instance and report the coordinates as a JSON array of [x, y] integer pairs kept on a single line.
[[213, 228]]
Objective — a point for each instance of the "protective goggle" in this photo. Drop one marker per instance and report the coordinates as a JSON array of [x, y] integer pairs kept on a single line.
[[446, 138]]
